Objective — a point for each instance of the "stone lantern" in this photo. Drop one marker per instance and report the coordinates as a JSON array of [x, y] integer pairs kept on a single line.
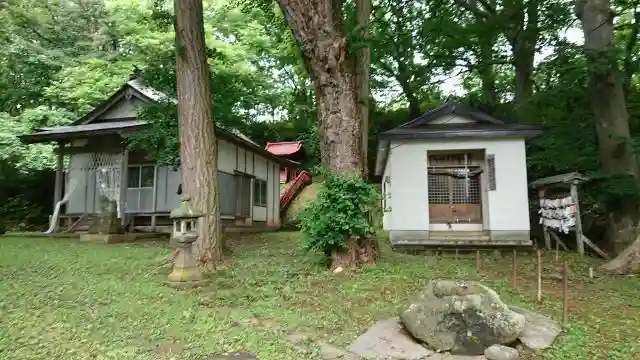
[[185, 232]]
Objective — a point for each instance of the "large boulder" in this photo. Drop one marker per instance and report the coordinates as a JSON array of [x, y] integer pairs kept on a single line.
[[461, 317]]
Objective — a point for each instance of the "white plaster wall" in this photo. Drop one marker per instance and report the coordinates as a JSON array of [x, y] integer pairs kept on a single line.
[[125, 108], [226, 156], [407, 167], [452, 119]]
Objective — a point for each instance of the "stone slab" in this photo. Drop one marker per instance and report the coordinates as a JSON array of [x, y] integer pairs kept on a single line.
[[119, 238], [501, 352], [539, 331], [233, 356], [388, 339]]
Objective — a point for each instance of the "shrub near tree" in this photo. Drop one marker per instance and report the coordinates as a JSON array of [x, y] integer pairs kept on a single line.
[[339, 222]]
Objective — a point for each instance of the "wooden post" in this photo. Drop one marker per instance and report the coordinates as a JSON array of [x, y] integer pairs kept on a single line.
[[565, 294], [574, 197], [478, 260], [514, 264], [557, 250], [457, 251], [545, 232], [155, 198], [539, 273], [57, 190], [124, 181]]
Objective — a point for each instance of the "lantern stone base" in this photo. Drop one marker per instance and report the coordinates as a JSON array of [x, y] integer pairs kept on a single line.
[[180, 285], [185, 272]]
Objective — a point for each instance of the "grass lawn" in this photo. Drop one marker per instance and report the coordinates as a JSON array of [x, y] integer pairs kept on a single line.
[[61, 299]]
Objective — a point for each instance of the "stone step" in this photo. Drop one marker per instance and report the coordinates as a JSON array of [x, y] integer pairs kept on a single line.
[[458, 233]]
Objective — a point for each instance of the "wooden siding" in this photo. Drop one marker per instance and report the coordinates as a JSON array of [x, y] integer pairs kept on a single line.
[[231, 160]]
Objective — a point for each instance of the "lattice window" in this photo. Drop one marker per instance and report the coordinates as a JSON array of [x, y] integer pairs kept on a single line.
[[452, 180], [465, 191], [439, 191]]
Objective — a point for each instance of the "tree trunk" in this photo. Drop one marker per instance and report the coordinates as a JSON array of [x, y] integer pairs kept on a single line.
[[523, 39], [363, 13], [609, 107], [316, 25], [523, 55], [487, 75], [628, 262], [198, 145]]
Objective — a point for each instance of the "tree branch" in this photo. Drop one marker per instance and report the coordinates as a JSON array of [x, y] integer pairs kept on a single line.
[[472, 9]]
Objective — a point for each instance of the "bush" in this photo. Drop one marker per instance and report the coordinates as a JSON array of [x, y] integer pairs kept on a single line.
[[343, 209]]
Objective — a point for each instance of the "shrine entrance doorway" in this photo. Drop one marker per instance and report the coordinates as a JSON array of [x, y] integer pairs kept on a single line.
[[455, 190]]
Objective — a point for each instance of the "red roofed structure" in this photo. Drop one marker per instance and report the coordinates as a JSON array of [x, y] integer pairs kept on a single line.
[[294, 178], [288, 149], [292, 150]]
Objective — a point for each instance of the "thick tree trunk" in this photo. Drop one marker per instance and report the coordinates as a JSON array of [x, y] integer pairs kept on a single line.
[[523, 39], [198, 145], [628, 262], [316, 25], [363, 13], [412, 99], [522, 32], [609, 107], [487, 75], [523, 55]]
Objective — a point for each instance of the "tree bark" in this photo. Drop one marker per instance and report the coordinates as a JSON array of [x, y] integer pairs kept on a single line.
[[316, 25], [609, 107], [627, 262], [522, 32], [198, 145], [523, 39], [487, 75], [363, 14]]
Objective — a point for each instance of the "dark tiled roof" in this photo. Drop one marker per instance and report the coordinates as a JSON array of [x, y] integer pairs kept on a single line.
[[484, 125]]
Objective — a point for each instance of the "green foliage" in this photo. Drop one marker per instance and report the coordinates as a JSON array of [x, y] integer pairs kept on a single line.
[[343, 209]]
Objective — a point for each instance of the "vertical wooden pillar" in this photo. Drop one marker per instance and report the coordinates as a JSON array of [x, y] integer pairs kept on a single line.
[[58, 184], [57, 191], [545, 231], [155, 198], [124, 181], [576, 201]]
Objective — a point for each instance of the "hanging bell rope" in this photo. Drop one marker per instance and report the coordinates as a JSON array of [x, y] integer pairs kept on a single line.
[[456, 173]]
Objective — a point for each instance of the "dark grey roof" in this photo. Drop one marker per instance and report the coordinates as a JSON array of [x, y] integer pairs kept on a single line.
[[435, 131], [424, 128], [449, 108], [80, 131], [119, 127], [485, 125], [560, 179], [147, 94]]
